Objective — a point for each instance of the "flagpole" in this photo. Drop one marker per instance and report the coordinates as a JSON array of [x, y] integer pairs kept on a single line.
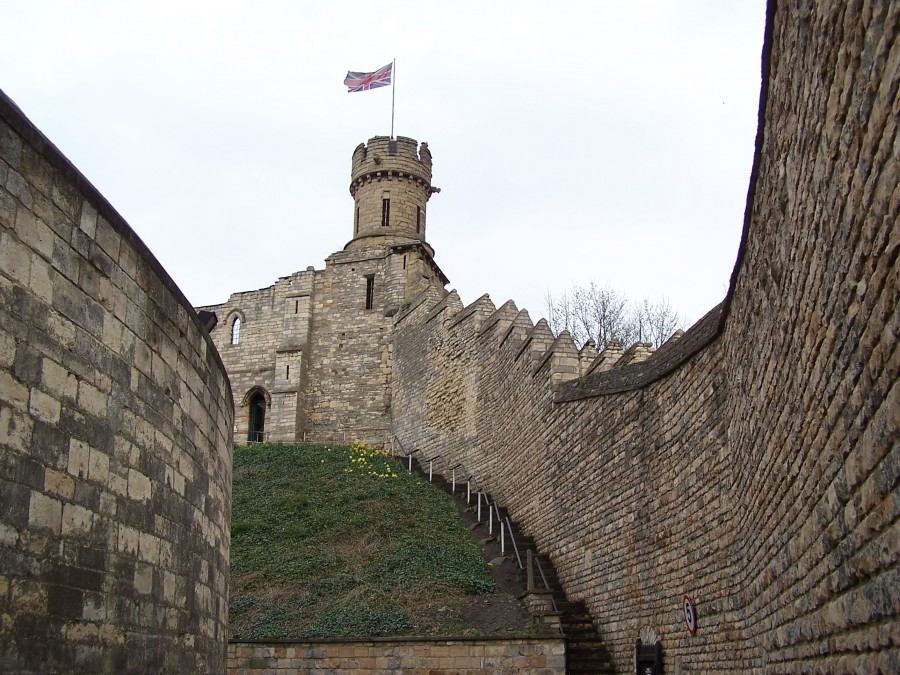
[[393, 91]]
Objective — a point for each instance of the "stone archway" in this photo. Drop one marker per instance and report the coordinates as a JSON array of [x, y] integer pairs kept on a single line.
[[256, 402]]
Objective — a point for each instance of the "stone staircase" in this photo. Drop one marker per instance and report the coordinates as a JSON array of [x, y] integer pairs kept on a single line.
[[585, 651]]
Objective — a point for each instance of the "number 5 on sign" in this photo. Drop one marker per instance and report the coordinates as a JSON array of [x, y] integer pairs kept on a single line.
[[690, 614]]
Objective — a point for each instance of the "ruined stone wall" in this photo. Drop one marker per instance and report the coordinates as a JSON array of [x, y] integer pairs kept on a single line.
[[272, 353], [752, 464], [115, 437]]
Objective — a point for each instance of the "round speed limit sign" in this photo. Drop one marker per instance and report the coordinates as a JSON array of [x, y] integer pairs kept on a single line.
[[690, 614]]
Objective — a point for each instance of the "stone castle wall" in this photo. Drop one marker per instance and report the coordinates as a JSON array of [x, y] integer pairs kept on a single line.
[[540, 655], [753, 463], [319, 343], [271, 353], [115, 437]]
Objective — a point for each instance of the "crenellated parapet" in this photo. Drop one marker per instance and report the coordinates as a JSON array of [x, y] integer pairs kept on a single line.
[[401, 157]]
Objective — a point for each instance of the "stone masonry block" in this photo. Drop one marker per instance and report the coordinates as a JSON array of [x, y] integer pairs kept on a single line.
[[107, 238], [15, 429], [34, 233], [7, 350], [143, 579], [91, 400], [128, 540], [19, 187], [43, 406], [12, 392], [41, 278], [88, 220], [79, 458], [54, 377], [59, 484], [36, 170], [45, 512], [15, 259], [138, 485], [76, 520], [7, 206], [29, 596]]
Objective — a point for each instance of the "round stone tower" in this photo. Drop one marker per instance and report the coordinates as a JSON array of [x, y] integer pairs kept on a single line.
[[390, 182]]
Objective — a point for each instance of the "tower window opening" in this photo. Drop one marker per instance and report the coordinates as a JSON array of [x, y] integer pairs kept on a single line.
[[356, 224], [370, 291], [236, 330], [385, 212], [404, 262], [418, 219], [287, 372], [296, 306]]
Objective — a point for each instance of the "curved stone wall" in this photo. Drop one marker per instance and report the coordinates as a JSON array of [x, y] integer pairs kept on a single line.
[[115, 437], [759, 476]]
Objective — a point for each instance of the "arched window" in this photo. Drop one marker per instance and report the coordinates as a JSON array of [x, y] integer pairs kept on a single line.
[[256, 429], [236, 330]]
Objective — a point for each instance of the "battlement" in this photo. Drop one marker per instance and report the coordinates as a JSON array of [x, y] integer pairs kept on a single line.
[[383, 156]]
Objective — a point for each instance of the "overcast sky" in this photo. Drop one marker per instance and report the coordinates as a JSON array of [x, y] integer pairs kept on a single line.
[[572, 141]]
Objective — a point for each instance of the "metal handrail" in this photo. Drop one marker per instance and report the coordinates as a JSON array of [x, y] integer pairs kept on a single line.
[[546, 584], [512, 538], [492, 507]]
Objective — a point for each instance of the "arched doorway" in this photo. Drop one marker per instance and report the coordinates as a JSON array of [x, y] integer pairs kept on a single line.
[[256, 430]]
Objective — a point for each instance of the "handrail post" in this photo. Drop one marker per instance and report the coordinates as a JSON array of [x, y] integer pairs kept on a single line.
[[430, 469], [490, 521], [512, 539], [410, 462], [529, 570], [453, 489], [479, 507], [502, 540], [468, 491]]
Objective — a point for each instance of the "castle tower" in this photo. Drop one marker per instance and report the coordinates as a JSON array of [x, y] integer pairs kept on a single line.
[[391, 183], [310, 357]]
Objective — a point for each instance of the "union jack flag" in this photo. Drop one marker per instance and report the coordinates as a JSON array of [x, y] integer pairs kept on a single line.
[[366, 81]]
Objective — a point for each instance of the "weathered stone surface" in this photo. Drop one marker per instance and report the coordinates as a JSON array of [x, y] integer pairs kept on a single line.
[[317, 344], [544, 655], [81, 549], [753, 463]]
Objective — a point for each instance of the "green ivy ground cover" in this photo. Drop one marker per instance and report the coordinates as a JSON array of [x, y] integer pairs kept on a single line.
[[340, 542]]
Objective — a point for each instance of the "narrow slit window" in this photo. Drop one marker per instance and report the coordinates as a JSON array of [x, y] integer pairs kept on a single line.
[[236, 330], [370, 292], [418, 219], [385, 212], [296, 306], [356, 224], [287, 372], [404, 262]]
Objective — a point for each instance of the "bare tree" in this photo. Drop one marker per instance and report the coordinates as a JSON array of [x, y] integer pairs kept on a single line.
[[605, 315]]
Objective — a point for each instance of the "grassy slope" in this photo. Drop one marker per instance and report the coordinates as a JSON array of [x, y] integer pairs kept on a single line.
[[331, 542]]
